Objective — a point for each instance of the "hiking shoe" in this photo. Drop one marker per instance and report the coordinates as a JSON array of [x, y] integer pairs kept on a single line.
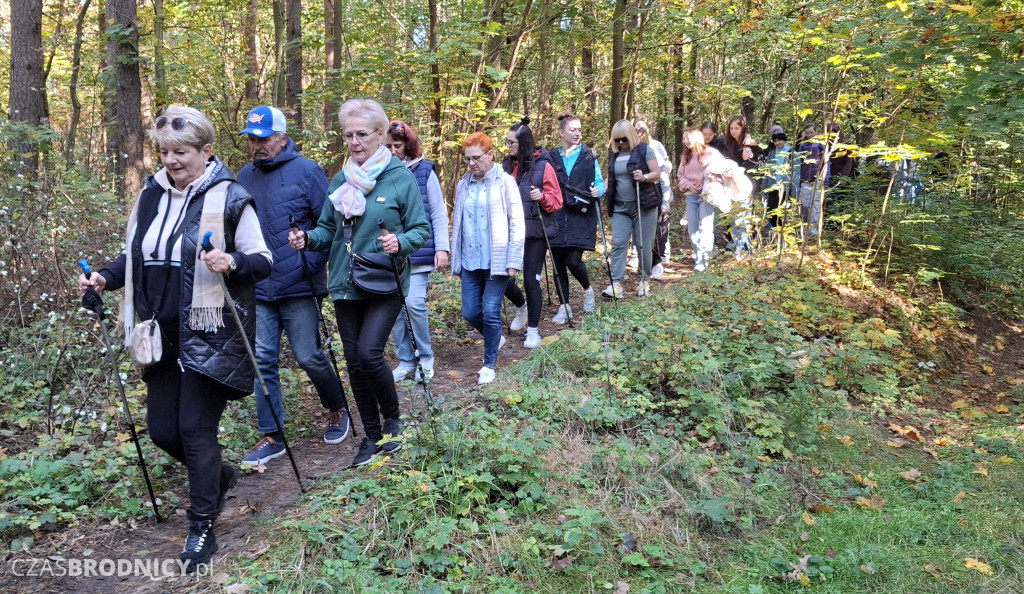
[[643, 289], [519, 322], [428, 370], [613, 291], [229, 474], [266, 450], [402, 370], [338, 425], [485, 376], [563, 315], [588, 300], [368, 450], [200, 544], [532, 338], [393, 430], [657, 272]]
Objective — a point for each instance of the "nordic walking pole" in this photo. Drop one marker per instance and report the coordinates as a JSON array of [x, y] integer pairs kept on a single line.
[[639, 240], [427, 394], [604, 241], [558, 286], [92, 301], [547, 277], [323, 326], [207, 246], [608, 266]]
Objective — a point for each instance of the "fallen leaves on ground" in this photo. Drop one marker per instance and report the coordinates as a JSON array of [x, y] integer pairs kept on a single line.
[[958, 498], [979, 566], [845, 439], [875, 502], [913, 475], [864, 481], [943, 441], [808, 519], [910, 432]]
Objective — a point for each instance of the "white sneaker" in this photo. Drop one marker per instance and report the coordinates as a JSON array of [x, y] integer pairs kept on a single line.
[[532, 338], [428, 370], [588, 300], [501, 342], [485, 376], [613, 291], [657, 271], [519, 322], [564, 311], [401, 371], [633, 262], [643, 289]]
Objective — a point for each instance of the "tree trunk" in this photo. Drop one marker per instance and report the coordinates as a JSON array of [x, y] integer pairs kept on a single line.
[[159, 62], [747, 110], [618, 42], [76, 66], [124, 96], [252, 54], [436, 106], [28, 82], [293, 59], [279, 65]]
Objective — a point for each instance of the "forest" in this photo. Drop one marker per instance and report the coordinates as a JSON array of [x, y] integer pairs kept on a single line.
[[840, 415]]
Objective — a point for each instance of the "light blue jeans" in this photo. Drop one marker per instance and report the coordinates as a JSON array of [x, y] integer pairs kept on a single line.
[[626, 225], [298, 317], [416, 305], [700, 223], [482, 294]]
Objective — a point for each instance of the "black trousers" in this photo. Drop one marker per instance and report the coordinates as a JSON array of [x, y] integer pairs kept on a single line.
[[658, 250], [364, 326], [569, 260], [534, 253], [183, 413], [772, 203]]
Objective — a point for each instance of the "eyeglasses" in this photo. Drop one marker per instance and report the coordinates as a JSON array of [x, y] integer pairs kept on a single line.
[[621, 140], [641, 130], [511, 142], [176, 124], [360, 136], [474, 159]]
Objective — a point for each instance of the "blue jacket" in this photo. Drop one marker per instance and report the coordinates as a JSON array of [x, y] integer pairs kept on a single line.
[[288, 184]]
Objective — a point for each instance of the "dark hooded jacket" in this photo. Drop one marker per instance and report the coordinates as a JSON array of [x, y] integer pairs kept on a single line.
[[220, 355], [288, 185]]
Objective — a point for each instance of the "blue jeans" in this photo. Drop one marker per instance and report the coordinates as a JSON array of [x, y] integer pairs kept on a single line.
[[700, 223], [298, 317], [416, 305], [482, 293]]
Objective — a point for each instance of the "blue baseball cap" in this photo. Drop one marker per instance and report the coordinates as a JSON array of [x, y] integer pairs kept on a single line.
[[264, 121]]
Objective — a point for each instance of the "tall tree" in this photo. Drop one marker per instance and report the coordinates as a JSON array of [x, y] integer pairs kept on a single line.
[[124, 97], [252, 53], [76, 67], [280, 26], [28, 81], [293, 61], [618, 58]]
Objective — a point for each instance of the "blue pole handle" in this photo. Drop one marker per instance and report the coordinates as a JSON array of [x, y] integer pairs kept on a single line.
[[86, 269], [207, 246]]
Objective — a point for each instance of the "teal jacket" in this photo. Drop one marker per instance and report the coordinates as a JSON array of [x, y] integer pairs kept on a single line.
[[396, 199]]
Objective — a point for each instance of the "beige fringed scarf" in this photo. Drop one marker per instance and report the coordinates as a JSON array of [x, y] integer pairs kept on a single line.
[[207, 312]]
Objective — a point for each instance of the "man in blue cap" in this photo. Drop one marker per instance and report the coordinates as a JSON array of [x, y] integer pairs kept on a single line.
[[285, 184]]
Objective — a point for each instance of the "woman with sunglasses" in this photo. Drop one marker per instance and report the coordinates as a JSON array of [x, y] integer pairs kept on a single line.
[[168, 278], [487, 243], [372, 185], [404, 144], [541, 196], [634, 197]]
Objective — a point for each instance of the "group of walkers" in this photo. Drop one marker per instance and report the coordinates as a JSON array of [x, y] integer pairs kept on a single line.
[[280, 239]]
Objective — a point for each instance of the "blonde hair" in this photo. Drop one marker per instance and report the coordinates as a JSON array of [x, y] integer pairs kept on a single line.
[[623, 128], [197, 130], [367, 109]]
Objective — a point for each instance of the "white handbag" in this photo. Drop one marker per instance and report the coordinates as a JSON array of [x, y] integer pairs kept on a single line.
[[147, 346]]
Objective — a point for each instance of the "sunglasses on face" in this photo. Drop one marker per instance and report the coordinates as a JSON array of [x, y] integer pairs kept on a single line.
[[176, 124], [621, 140], [641, 130]]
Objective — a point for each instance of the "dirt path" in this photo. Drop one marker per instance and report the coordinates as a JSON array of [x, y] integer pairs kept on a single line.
[[258, 497]]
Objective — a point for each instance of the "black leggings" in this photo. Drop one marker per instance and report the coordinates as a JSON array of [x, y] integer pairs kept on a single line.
[[571, 260], [772, 199], [364, 326], [534, 253], [660, 239], [183, 410]]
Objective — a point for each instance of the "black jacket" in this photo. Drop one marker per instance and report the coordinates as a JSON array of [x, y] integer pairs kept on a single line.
[[220, 355], [650, 192], [533, 177], [577, 221]]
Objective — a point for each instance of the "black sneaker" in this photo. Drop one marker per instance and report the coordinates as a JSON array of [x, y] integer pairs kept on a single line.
[[200, 544], [229, 474], [368, 450], [393, 429], [338, 425]]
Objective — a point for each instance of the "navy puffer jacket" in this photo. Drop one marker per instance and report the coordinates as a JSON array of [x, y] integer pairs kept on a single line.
[[288, 184]]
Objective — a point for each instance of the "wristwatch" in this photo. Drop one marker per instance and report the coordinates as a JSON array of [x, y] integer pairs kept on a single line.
[[231, 264]]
